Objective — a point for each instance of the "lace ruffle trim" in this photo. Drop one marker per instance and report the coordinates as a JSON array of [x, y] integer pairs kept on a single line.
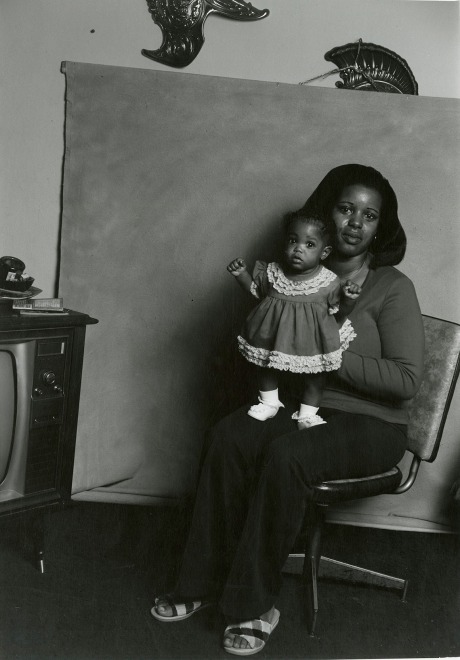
[[254, 290], [346, 334], [301, 364], [288, 287]]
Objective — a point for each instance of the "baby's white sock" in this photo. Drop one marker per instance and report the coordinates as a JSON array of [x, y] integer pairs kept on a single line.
[[307, 411], [270, 397]]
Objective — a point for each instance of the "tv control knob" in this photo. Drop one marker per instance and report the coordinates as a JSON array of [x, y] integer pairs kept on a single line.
[[48, 377], [38, 391]]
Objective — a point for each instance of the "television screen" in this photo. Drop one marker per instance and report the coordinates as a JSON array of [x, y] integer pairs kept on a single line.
[[7, 409]]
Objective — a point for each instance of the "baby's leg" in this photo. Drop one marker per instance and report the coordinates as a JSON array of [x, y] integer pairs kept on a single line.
[[267, 379], [268, 395], [314, 385], [310, 401]]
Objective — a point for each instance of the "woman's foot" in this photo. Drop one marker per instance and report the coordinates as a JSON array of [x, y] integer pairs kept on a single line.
[[165, 609], [249, 637]]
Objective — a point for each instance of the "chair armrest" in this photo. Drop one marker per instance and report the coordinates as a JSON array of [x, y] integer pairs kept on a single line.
[[409, 481]]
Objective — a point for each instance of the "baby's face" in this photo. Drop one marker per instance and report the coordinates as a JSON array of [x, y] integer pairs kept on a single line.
[[304, 247]]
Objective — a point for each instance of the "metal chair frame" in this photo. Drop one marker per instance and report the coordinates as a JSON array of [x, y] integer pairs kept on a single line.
[[311, 564]]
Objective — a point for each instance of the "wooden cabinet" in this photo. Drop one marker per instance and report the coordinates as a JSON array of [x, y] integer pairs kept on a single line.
[[40, 378]]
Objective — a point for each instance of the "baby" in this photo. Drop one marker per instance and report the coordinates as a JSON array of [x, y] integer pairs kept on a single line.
[[296, 325]]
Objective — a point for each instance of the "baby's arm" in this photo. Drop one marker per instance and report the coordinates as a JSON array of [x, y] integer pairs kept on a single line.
[[349, 294], [239, 270]]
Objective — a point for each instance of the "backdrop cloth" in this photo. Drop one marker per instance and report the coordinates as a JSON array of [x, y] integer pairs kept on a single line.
[[167, 177]]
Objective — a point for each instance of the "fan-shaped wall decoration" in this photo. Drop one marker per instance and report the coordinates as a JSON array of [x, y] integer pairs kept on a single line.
[[371, 68], [182, 23]]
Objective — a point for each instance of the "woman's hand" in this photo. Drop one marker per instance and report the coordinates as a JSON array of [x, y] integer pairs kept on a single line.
[[237, 267], [351, 290]]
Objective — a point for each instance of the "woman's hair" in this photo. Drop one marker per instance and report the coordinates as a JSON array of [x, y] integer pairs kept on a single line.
[[389, 246], [309, 215]]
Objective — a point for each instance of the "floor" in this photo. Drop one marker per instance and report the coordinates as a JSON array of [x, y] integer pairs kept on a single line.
[[104, 563]]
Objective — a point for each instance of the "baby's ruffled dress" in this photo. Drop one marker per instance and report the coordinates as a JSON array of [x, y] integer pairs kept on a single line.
[[293, 327]]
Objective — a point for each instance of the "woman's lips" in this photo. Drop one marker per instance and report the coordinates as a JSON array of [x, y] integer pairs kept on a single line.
[[352, 239]]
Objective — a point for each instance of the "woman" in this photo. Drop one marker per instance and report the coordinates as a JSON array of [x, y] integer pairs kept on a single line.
[[257, 478]]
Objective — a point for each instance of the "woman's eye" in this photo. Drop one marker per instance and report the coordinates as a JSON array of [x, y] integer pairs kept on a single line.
[[344, 209], [371, 216]]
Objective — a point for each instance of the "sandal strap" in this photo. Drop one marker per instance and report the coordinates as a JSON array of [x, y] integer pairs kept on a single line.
[[167, 599], [187, 608], [250, 635], [251, 630], [178, 609]]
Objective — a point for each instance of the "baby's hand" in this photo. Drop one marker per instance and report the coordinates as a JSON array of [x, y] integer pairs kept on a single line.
[[351, 290], [237, 266]]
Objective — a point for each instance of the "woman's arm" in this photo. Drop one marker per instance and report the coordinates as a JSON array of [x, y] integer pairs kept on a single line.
[[397, 374]]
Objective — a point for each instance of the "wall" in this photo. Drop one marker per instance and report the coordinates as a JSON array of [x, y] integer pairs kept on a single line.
[[288, 46]]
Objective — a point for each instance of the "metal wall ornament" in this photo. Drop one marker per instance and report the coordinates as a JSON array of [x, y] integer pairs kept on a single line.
[[182, 25], [370, 68]]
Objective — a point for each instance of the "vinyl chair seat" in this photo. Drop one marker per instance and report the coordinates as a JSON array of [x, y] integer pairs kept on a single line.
[[332, 492]]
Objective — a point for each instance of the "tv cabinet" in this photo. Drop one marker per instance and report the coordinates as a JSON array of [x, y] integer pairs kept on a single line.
[[38, 474]]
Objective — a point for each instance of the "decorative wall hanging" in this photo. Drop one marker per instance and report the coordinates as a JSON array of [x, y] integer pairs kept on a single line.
[[182, 25], [370, 68]]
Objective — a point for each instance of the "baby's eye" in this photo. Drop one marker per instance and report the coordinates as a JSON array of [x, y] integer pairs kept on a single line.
[[291, 239], [310, 244]]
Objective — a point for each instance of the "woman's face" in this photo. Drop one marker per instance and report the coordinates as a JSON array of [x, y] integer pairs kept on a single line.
[[356, 215]]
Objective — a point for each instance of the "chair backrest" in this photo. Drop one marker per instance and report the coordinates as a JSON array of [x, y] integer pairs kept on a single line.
[[428, 409]]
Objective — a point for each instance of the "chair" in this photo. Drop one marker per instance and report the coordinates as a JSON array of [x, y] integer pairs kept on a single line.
[[427, 415]]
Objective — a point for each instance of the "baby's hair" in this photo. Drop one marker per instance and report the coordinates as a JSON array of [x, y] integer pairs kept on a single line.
[[310, 216]]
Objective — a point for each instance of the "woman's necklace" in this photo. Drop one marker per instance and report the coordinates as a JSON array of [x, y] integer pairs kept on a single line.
[[358, 275]]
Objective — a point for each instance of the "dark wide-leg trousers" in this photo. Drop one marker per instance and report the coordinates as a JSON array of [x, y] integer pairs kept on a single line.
[[255, 484]]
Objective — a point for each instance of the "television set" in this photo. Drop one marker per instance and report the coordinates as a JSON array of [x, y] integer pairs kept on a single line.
[[41, 359]]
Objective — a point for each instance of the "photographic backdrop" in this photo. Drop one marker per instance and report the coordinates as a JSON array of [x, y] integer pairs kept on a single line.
[[167, 177]]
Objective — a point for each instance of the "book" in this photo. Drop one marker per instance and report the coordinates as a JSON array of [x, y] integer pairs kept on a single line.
[[38, 312], [39, 304]]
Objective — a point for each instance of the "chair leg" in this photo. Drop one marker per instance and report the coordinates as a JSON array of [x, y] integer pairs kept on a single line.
[[311, 565], [315, 566], [307, 563], [338, 570]]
